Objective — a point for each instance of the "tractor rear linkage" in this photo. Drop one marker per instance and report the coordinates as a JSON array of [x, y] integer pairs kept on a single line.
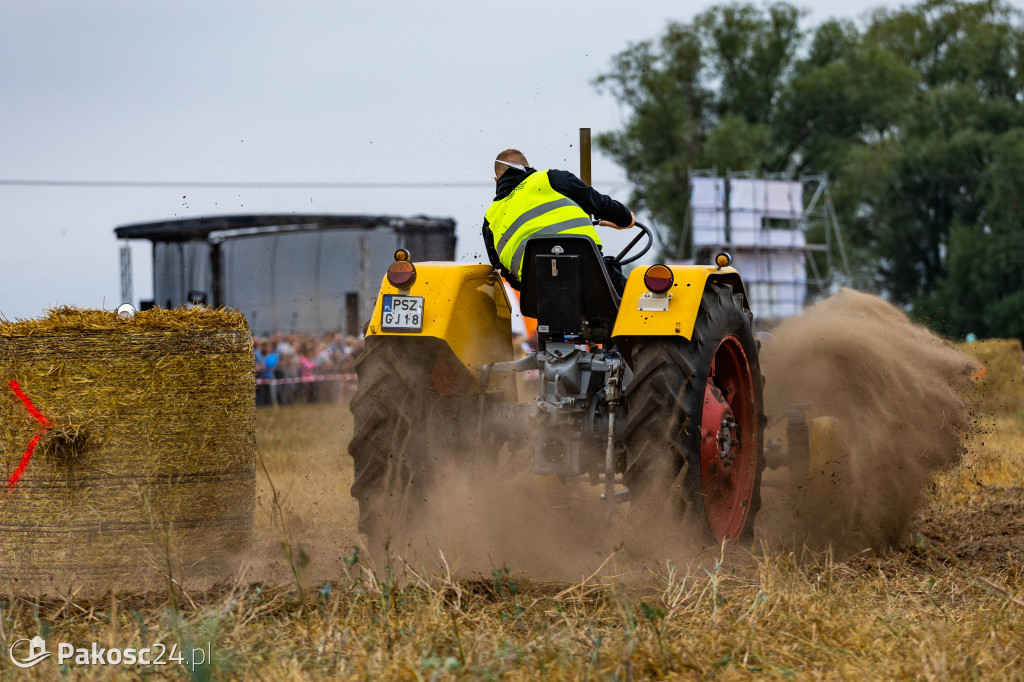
[[577, 423]]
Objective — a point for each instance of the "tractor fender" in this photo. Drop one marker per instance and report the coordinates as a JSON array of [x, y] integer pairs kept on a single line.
[[638, 316], [463, 305]]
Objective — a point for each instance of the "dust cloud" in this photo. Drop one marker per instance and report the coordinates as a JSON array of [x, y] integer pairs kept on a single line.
[[471, 522], [549, 529], [889, 398]]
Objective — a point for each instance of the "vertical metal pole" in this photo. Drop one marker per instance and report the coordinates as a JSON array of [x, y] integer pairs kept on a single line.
[[127, 293], [585, 155], [216, 276], [609, 464], [367, 286], [613, 394]]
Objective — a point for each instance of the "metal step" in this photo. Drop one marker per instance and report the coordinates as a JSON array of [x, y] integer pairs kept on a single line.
[[619, 496]]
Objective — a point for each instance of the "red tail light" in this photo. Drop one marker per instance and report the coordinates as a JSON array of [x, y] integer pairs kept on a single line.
[[658, 279], [401, 274]]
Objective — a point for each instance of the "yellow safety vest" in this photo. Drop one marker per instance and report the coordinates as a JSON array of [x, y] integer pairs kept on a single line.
[[534, 208]]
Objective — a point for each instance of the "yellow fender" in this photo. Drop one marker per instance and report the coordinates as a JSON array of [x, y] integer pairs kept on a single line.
[[463, 305], [683, 304]]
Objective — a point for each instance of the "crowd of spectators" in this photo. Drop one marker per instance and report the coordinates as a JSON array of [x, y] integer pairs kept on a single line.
[[299, 368], [307, 369]]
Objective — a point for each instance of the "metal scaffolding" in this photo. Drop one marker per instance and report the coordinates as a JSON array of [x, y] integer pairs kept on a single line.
[[781, 244]]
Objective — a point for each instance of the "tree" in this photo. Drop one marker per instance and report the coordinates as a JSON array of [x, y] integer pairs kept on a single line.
[[908, 115], [983, 289], [965, 58], [702, 96]]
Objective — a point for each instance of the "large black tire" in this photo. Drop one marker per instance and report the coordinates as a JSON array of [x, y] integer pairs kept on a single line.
[[665, 404], [390, 448]]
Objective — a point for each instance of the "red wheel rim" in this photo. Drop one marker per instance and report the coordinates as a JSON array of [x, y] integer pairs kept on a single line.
[[728, 458]]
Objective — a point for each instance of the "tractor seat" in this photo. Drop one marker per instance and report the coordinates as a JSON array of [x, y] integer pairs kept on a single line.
[[566, 287]]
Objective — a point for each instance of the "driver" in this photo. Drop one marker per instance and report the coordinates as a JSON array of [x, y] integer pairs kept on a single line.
[[529, 202]]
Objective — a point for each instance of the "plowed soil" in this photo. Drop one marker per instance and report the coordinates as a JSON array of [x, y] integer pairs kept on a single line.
[[986, 535]]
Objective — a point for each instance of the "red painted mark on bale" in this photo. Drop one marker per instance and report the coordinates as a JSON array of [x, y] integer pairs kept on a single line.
[[39, 417]]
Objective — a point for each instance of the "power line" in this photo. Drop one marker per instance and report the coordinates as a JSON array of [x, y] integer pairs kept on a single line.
[[238, 185], [158, 184]]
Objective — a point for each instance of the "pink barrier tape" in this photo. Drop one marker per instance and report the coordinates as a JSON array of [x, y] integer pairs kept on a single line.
[[306, 380]]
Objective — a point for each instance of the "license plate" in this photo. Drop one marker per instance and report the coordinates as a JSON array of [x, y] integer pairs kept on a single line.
[[402, 313]]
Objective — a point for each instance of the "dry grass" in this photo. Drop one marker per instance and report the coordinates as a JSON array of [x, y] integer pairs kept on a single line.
[[1000, 385], [949, 605]]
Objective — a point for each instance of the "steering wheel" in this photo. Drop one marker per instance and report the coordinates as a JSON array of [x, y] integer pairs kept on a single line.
[[644, 232]]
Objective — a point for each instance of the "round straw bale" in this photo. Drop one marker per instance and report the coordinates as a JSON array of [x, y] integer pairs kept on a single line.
[[127, 448], [1000, 382]]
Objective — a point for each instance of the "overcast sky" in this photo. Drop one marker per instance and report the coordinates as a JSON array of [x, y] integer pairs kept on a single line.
[[285, 92]]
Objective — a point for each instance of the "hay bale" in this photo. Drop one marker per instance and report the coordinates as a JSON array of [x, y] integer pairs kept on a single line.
[[144, 458], [1000, 382]]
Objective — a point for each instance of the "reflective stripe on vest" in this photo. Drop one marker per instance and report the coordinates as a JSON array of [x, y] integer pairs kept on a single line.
[[532, 209]]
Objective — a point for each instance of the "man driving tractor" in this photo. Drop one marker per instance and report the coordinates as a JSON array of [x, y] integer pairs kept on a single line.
[[531, 203], [653, 393]]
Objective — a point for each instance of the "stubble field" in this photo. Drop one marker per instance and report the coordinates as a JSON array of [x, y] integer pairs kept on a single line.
[[947, 603]]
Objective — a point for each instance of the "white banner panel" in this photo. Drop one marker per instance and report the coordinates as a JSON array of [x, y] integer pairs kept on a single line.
[[706, 218], [708, 227], [776, 281], [744, 195], [783, 199], [745, 228], [707, 193], [745, 220], [708, 237], [782, 238], [772, 260], [745, 236]]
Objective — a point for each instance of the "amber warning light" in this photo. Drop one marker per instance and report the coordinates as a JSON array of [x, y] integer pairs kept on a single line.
[[658, 279]]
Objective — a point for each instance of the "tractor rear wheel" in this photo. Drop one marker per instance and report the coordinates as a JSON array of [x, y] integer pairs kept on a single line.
[[390, 448], [694, 438]]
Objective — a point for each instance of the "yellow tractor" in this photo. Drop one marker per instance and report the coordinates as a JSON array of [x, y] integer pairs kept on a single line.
[[654, 396]]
